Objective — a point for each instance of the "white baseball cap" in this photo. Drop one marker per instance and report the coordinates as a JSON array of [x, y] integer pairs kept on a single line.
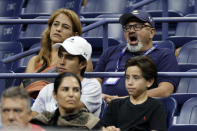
[[76, 45]]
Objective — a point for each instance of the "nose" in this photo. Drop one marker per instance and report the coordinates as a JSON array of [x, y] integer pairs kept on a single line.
[[130, 81], [58, 28], [70, 93], [11, 116]]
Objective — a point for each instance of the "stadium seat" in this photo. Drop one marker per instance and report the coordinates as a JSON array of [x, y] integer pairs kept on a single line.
[[188, 112], [165, 44], [187, 85], [175, 9], [35, 8], [31, 33], [103, 109], [182, 7], [4, 82], [9, 49], [171, 108], [94, 8], [184, 119], [188, 53], [185, 32], [97, 47], [115, 30], [186, 58], [10, 8], [9, 32]]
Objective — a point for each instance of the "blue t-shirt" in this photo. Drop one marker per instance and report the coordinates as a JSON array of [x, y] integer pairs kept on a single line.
[[164, 59]]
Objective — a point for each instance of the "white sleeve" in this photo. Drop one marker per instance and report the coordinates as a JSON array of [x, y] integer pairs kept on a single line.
[[92, 95], [39, 104]]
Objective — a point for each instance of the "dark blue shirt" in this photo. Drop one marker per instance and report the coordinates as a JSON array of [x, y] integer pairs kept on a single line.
[[164, 59]]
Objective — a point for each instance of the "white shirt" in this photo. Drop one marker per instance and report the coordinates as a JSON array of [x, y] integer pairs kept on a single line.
[[91, 96]]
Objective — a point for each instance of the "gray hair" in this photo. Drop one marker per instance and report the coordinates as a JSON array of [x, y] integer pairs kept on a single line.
[[17, 92]]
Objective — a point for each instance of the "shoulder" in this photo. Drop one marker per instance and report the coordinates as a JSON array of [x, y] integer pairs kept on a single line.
[[155, 102], [47, 90], [91, 84], [31, 65], [90, 81], [43, 118], [48, 87], [112, 49], [163, 52], [120, 101], [92, 119]]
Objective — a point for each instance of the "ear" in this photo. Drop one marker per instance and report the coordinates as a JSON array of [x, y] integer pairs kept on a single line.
[[152, 33], [82, 64], [54, 96], [150, 82]]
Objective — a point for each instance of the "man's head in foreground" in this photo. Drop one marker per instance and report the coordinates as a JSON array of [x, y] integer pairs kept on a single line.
[[15, 108]]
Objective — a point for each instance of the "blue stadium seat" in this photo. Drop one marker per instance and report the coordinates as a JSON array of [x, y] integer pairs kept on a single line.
[[94, 8], [31, 33], [103, 109], [188, 112], [171, 108], [185, 32], [9, 49], [188, 53], [180, 8], [115, 30], [186, 58], [175, 9], [9, 32], [4, 82], [165, 44], [97, 47], [10, 8], [35, 8], [187, 85]]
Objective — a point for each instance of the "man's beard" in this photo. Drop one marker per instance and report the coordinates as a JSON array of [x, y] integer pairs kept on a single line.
[[135, 48]]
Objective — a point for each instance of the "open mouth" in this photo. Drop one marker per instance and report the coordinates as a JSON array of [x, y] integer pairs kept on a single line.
[[133, 39]]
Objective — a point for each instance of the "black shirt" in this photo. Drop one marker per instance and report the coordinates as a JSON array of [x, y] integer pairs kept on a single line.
[[150, 115]]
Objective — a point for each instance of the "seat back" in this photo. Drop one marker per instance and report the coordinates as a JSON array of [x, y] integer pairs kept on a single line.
[[4, 82], [103, 109], [94, 8], [188, 112], [115, 30], [188, 53], [36, 8], [171, 108], [31, 33], [10, 8], [185, 32], [9, 49], [183, 6], [165, 44], [187, 85], [9, 32]]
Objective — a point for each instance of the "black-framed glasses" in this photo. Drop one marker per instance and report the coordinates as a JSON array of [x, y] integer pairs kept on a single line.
[[136, 27]]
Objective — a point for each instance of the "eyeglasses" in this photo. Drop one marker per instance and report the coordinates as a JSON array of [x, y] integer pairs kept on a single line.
[[136, 27]]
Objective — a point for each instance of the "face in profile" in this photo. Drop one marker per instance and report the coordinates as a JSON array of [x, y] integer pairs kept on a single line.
[[61, 28], [15, 113], [68, 94], [135, 83]]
